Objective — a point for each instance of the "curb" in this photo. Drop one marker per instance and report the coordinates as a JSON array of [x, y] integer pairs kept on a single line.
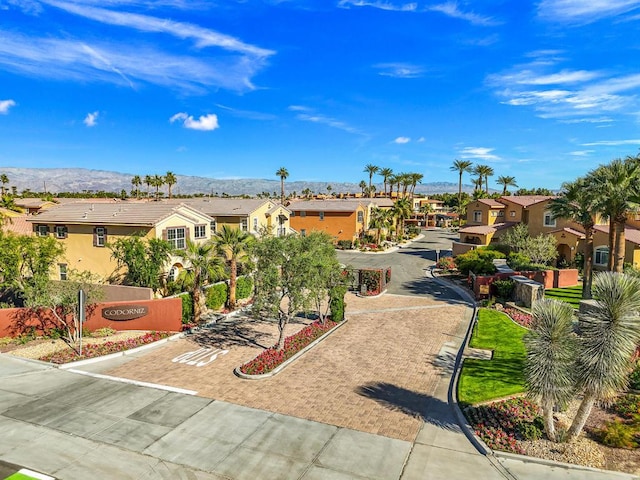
[[281, 367], [372, 296]]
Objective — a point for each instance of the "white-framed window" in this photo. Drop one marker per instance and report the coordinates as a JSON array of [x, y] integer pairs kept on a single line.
[[477, 216], [360, 216], [255, 224], [173, 273], [61, 231], [549, 220], [177, 237], [244, 225], [214, 227], [100, 237], [199, 231], [512, 213], [321, 215], [42, 230], [62, 269], [601, 256]]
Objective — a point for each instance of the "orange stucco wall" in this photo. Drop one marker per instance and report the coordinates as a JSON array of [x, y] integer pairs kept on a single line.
[[340, 225]]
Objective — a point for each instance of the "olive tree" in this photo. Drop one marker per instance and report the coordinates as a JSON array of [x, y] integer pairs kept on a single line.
[[143, 261]]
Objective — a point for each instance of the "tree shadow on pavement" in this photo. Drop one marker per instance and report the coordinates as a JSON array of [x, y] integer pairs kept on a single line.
[[415, 404], [428, 286], [232, 333]]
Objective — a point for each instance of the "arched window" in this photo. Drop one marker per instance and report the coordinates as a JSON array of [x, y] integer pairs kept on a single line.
[[601, 256]]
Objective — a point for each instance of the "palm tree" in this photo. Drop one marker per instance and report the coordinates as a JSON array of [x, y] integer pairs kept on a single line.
[[550, 357], [380, 219], [371, 192], [4, 179], [148, 181], [460, 166], [577, 202], [203, 266], [414, 178], [386, 174], [618, 189], [363, 186], [401, 211], [484, 172], [306, 192], [233, 245], [371, 170], [610, 335], [506, 181], [136, 181], [157, 181], [329, 188], [170, 180], [283, 174]]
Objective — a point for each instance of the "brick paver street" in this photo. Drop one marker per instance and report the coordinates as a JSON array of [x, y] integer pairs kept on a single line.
[[373, 374]]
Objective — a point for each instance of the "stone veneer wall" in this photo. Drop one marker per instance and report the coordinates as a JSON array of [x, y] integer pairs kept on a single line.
[[526, 290]]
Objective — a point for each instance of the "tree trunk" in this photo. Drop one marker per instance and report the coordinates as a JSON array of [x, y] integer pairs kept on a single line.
[[282, 323], [460, 189], [581, 416], [619, 252], [197, 310], [612, 243], [549, 425], [588, 263], [233, 280]]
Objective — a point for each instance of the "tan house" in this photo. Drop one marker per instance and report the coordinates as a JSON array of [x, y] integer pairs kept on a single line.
[[485, 211], [601, 246], [341, 219], [33, 206], [85, 230]]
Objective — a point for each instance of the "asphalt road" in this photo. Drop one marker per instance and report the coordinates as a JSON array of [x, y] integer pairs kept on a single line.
[[408, 264]]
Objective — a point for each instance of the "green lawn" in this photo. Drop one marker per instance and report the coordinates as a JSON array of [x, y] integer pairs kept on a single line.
[[571, 295], [482, 380]]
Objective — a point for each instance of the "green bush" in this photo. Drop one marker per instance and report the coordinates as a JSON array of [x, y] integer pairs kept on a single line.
[[336, 303], [187, 307], [478, 261], [244, 287], [531, 430], [634, 378], [627, 406], [103, 332], [413, 230], [217, 296], [446, 263], [371, 279], [517, 261], [345, 244], [619, 434], [504, 288]]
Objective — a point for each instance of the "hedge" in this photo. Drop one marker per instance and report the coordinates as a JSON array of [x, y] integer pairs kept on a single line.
[[244, 287], [216, 296]]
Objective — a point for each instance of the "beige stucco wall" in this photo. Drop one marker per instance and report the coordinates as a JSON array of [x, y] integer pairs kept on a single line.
[[488, 218]]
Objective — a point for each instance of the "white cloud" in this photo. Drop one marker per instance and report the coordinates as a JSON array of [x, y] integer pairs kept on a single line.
[[308, 115], [581, 153], [247, 113], [452, 10], [402, 140], [5, 105], [91, 120], [421, 140], [399, 70], [481, 153], [584, 11], [405, 7], [612, 143], [204, 123]]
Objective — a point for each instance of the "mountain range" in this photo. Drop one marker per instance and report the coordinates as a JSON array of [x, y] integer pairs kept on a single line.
[[55, 180]]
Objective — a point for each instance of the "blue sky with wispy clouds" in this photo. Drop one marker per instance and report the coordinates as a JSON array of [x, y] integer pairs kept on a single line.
[[543, 91]]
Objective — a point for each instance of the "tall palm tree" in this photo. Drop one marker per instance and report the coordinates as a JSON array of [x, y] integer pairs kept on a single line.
[[618, 189], [401, 211], [577, 203], [170, 180], [306, 192], [460, 166], [363, 186], [233, 245], [550, 357], [371, 170], [283, 174], [157, 181], [484, 172], [379, 220], [506, 181], [203, 266], [136, 181], [386, 174], [4, 180], [415, 178], [148, 181], [610, 333]]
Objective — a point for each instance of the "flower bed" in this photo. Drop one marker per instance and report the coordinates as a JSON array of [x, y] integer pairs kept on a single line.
[[519, 317], [272, 358], [97, 350], [502, 424]]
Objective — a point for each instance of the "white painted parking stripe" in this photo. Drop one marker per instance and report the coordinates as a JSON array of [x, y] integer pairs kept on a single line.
[[134, 382]]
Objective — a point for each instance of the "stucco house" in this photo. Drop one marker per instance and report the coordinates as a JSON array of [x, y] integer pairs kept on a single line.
[[341, 219]]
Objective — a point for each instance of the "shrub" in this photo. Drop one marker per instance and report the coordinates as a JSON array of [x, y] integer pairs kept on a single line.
[[187, 308], [504, 288], [103, 332], [345, 244], [634, 378], [618, 434], [244, 287], [387, 275], [371, 279], [336, 303], [413, 230], [446, 263], [531, 430], [216, 296], [478, 261], [517, 261], [627, 406]]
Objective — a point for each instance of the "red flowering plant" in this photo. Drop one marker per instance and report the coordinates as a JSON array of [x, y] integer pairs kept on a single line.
[[502, 425], [272, 358], [92, 350], [519, 317]]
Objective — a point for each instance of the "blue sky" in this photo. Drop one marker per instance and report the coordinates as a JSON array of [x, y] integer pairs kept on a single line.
[[543, 91]]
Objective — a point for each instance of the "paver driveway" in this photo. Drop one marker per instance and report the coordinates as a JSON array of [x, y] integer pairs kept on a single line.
[[374, 374]]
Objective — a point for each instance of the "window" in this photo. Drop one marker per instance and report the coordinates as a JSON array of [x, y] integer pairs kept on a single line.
[[243, 225], [176, 237], [501, 213], [293, 214], [549, 219], [321, 215], [601, 256], [494, 213], [303, 232], [61, 231], [173, 273], [512, 213], [255, 224], [477, 216], [99, 237], [62, 269], [303, 214], [214, 227], [42, 230], [200, 231], [361, 217]]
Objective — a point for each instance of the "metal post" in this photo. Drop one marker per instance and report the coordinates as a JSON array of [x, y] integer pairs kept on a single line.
[[81, 300]]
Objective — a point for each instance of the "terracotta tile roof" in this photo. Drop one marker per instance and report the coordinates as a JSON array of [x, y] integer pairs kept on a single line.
[[572, 231], [144, 214], [630, 234], [18, 225], [526, 200], [485, 229], [326, 205], [490, 202], [221, 207], [31, 202]]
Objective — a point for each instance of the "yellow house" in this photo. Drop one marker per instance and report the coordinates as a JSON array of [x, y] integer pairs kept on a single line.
[[85, 230], [601, 246], [341, 219]]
